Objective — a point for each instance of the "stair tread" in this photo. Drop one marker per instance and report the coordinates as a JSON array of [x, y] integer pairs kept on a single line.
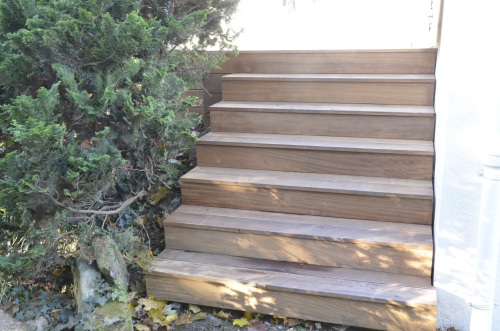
[[379, 78], [411, 236], [404, 290], [373, 145], [376, 186], [326, 108]]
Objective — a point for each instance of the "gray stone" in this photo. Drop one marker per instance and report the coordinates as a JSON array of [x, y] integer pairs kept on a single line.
[[38, 324], [114, 316], [110, 261], [86, 278], [9, 323]]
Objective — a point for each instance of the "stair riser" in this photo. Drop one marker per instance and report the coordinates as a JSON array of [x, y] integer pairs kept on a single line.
[[332, 92], [319, 252], [316, 161], [249, 297], [333, 204], [362, 126], [332, 62]]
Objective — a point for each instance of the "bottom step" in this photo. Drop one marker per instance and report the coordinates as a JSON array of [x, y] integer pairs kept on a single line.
[[335, 295]]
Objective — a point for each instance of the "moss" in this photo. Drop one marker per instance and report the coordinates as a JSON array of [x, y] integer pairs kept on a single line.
[[112, 316], [110, 261]]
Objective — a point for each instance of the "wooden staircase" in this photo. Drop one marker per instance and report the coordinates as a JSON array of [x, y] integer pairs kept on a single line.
[[313, 193]]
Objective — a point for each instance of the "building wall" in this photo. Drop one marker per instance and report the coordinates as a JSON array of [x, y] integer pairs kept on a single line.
[[467, 103]]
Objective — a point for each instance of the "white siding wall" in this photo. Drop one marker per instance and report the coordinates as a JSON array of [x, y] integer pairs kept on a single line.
[[467, 101]]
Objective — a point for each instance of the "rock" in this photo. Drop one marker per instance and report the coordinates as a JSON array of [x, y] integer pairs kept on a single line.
[[214, 321], [114, 316], [86, 278], [38, 324], [9, 323], [110, 261], [317, 325]]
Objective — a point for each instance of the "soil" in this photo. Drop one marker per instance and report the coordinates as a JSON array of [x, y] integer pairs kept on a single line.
[[265, 324]]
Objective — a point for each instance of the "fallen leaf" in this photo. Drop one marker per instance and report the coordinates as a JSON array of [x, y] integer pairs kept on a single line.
[[140, 327], [170, 318], [58, 272], [241, 322], [158, 195], [291, 322], [248, 315], [223, 315], [199, 316], [164, 320], [194, 308], [183, 320], [148, 304], [140, 221], [168, 310]]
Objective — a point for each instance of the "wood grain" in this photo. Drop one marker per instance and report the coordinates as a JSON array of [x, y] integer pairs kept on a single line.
[[304, 142], [233, 295], [377, 208], [339, 125], [311, 251], [326, 108], [213, 83], [317, 161], [335, 300], [333, 273], [415, 93], [356, 185], [415, 61], [380, 232]]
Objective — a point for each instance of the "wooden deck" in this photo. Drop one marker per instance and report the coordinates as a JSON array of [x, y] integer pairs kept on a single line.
[[313, 194]]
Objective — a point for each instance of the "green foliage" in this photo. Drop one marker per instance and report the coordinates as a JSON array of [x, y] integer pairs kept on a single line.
[[92, 121]]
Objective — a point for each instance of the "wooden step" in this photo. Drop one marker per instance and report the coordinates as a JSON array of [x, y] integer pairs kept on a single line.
[[406, 61], [333, 88], [324, 119], [318, 154], [373, 198], [348, 243], [345, 296]]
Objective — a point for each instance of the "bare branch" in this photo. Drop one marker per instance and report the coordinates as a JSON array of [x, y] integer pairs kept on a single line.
[[121, 207]]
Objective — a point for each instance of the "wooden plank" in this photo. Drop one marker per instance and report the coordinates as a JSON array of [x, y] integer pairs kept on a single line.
[[343, 144], [400, 236], [351, 78], [359, 125], [413, 61], [415, 93], [326, 108], [356, 185], [234, 295], [311, 251], [333, 273], [351, 224], [352, 162], [209, 99], [213, 83], [305, 284], [281, 200]]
